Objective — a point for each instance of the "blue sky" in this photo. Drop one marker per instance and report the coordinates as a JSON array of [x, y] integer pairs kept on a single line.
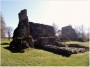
[[11, 8], [62, 13]]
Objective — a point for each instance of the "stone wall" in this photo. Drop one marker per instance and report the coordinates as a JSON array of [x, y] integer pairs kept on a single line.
[[40, 30], [68, 33]]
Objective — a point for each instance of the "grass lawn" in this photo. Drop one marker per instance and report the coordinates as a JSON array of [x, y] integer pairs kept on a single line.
[[37, 57], [76, 42]]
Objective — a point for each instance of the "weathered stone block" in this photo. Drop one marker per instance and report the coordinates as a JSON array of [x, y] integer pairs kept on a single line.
[[40, 30], [68, 33]]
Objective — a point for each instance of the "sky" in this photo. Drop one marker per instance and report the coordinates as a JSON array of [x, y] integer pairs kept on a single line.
[[60, 12]]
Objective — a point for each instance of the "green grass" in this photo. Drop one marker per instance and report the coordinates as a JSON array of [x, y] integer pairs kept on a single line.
[[76, 42], [37, 57]]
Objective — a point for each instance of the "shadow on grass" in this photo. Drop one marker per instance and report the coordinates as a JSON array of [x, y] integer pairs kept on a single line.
[[62, 52], [13, 50], [4, 43]]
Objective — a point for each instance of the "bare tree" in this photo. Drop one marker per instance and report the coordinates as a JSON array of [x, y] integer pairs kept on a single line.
[[77, 30], [2, 27], [55, 29], [9, 31], [88, 34], [80, 30]]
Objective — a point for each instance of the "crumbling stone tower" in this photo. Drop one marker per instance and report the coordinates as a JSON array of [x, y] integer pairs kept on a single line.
[[21, 36]]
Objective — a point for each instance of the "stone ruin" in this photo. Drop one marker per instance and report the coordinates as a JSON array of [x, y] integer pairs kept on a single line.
[[27, 33], [35, 35], [21, 37], [40, 30], [68, 33]]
